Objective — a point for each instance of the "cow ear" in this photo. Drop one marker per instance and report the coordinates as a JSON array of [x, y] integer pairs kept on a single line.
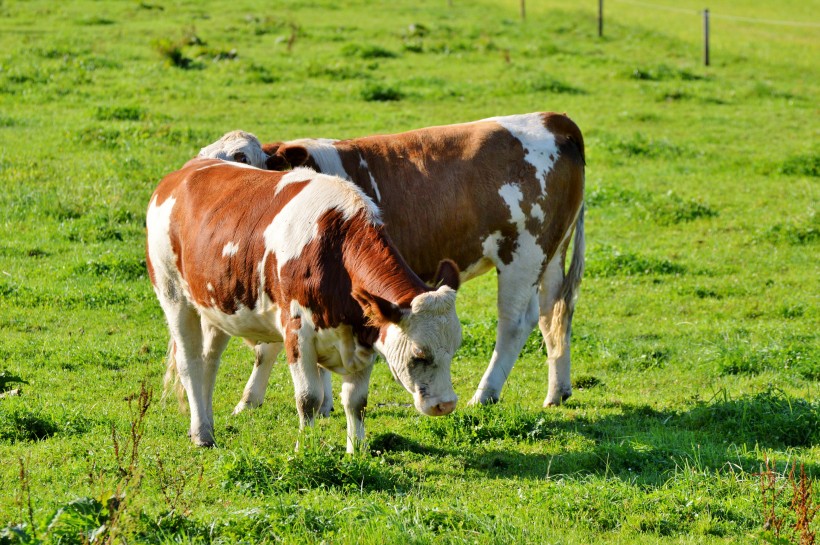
[[447, 274], [271, 147], [380, 311], [295, 155], [276, 162]]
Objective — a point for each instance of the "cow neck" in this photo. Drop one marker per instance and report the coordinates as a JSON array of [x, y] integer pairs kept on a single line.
[[375, 266]]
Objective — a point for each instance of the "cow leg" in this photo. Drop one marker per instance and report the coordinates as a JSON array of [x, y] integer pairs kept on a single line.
[[354, 400], [214, 341], [187, 357], [308, 387], [555, 322], [517, 317], [254, 393], [327, 402]]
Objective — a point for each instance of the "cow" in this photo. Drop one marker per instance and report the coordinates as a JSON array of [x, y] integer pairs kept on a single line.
[[504, 193], [238, 146], [298, 261]]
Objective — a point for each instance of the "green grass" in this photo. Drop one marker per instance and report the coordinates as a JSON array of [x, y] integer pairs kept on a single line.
[[695, 344]]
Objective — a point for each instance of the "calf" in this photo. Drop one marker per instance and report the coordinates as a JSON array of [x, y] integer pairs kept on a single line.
[[299, 261], [503, 193]]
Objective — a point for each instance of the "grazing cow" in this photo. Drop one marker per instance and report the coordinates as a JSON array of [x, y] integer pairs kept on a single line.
[[299, 261], [503, 193], [237, 146]]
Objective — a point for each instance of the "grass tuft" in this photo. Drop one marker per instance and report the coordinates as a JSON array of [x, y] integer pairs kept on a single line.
[[475, 425], [19, 423], [380, 92], [367, 51], [771, 418], [120, 113], [801, 165], [311, 468], [606, 261], [664, 72]]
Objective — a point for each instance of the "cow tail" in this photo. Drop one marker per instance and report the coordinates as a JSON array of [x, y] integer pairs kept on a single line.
[[172, 378], [565, 306]]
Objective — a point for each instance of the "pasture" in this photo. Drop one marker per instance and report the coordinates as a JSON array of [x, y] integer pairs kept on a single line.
[[696, 358]]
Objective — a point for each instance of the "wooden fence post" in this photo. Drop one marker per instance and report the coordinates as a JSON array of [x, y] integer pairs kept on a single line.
[[600, 18], [523, 10], [706, 37]]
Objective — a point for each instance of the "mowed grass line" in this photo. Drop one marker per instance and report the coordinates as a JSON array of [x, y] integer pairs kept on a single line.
[[695, 353]]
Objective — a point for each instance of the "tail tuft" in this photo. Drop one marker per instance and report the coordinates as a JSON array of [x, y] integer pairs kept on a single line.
[[172, 378]]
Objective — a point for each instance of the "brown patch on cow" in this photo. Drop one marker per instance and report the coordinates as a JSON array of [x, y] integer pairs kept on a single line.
[[371, 265], [292, 325], [565, 184], [285, 156], [424, 176], [219, 206], [507, 247], [566, 132], [439, 189]]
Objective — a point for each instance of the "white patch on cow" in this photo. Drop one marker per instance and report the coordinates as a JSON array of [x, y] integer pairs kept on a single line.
[[230, 249], [259, 324], [295, 309], [537, 213], [301, 174], [528, 254], [325, 154], [363, 164], [210, 287], [539, 144], [490, 245], [513, 196], [234, 142], [160, 251], [297, 223]]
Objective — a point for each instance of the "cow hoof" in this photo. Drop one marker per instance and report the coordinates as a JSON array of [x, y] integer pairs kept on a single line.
[[241, 406], [484, 399], [245, 405], [556, 400], [207, 443]]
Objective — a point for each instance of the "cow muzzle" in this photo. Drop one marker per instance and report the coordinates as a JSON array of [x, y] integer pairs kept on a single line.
[[436, 406]]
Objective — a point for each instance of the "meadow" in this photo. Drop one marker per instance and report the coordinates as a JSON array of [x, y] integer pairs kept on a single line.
[[696, 361]]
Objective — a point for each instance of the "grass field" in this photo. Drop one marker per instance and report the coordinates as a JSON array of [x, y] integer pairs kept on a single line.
[[695, 342]]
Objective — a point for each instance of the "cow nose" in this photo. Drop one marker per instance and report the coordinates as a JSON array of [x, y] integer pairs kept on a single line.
[[445, 407]]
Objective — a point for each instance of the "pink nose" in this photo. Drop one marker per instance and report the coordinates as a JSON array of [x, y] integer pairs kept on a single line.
[[445, 407]]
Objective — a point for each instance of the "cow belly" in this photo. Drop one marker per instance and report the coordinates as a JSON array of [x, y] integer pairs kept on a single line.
[[258, 326], [339, 352]]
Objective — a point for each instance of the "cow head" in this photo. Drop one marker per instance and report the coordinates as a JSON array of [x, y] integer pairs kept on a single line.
[[418, 343], [237, 146]]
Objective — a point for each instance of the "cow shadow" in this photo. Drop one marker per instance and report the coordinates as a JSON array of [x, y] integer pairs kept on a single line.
[[634, 442]]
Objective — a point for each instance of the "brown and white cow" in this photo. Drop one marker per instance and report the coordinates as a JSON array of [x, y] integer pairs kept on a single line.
[[503, 193], [299, 261]]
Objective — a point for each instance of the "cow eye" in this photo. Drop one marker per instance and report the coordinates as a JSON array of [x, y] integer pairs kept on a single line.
[[420, 361]]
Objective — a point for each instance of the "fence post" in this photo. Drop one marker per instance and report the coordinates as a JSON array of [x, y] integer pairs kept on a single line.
[[523, 10], [706, 37], [600, 18]]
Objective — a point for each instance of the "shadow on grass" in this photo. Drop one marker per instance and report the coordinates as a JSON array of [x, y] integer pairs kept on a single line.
[[639, 444]]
